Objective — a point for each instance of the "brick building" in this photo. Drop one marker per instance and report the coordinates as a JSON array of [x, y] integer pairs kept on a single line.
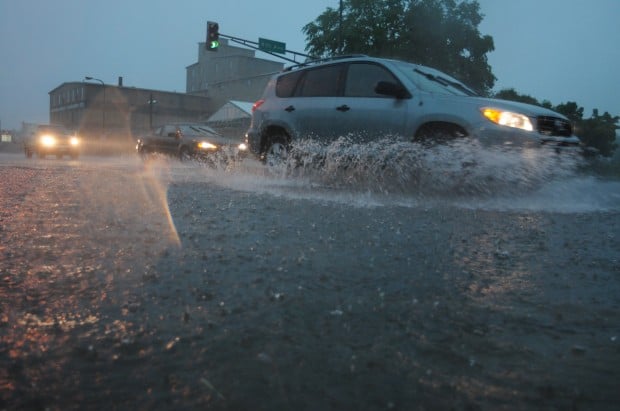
[[119, 113]]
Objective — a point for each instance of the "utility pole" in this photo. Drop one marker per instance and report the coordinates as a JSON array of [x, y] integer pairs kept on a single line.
[[151, 102]]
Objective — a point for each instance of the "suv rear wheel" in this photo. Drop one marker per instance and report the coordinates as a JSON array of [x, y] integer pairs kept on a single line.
[[276, 154]]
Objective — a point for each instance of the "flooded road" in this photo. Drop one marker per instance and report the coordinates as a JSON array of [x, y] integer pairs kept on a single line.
[[165, 285]]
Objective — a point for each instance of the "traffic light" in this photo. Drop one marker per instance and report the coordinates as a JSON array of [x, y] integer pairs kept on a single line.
[[213, 36]]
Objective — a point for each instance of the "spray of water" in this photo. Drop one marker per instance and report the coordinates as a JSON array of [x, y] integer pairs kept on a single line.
[[459, 168], [390, 171]]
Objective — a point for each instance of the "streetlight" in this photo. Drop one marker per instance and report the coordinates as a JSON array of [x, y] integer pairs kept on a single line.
[[103, 107], [150, 103]]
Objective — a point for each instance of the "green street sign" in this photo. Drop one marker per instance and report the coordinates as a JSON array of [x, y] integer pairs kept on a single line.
[[271, 46]]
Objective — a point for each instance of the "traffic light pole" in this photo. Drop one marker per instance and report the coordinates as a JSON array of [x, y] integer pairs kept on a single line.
[[254, 45]]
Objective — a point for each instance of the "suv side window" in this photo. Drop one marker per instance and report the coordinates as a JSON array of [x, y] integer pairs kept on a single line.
[[169, 130], [186, 131], [363, 77], [321, 82], [286, 84]]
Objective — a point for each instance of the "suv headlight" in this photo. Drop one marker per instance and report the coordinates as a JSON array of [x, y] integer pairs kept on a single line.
[[507, 118], [48, 141], [74, 141], [205, 145]]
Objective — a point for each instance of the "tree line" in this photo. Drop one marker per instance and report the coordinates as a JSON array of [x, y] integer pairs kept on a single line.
[[442, 34]]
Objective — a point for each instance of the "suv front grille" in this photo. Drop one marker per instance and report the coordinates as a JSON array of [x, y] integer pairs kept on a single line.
[[554, 126]]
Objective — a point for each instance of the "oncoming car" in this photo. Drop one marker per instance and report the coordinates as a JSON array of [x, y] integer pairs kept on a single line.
[[190, 141], [52, 139], [367, 98]]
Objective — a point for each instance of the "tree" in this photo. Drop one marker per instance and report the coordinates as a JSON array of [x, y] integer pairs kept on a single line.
[[439, 33], [571, 110], [512, 95], [599, 132], [444, 34]]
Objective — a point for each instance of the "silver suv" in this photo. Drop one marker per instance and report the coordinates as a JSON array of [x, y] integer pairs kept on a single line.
[[366, 98]]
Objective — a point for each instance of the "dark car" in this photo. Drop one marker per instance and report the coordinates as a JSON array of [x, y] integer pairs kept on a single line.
[[52, 139], [190, 141]]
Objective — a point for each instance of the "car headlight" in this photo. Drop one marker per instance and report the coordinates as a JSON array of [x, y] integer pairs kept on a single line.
[[74, 141], [507, 118], [242, 147], [48, 141], [205, 145]]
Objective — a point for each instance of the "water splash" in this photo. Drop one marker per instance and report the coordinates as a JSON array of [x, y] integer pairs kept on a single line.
[[461, 167], [462, 173]]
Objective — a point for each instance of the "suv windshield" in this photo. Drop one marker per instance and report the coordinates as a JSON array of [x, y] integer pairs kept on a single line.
[[433, 81], [52, 129]]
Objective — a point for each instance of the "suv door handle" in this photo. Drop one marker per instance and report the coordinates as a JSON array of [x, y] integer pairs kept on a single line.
[[289, 109], [343, 107]]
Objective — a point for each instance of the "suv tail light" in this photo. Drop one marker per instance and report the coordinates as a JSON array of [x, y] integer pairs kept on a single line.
[[257, 105]]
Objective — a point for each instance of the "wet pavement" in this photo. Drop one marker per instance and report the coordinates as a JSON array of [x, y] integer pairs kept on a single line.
[[161, 285]]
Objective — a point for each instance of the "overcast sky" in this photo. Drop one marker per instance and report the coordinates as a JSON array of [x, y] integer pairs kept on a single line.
[[560, 50]]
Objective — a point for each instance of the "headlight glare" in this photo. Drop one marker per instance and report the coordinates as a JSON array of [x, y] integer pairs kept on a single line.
[[48, 141], [74, 141], [205, 145], [508, 118], [242, 147]]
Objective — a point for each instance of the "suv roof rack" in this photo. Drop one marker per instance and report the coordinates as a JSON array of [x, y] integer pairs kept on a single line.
[[323, 60]]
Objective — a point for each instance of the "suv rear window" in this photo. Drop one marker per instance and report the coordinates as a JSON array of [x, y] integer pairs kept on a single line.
[[325, 81], [321, 82], [286, 84]]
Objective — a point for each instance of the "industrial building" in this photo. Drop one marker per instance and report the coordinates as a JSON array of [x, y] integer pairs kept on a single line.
[[231, 73]]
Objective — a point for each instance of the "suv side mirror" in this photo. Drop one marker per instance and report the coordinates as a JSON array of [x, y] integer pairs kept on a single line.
[[391, 89]]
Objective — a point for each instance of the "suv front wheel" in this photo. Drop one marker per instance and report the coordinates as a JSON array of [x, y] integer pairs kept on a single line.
[[185, 154], [439, 133]]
